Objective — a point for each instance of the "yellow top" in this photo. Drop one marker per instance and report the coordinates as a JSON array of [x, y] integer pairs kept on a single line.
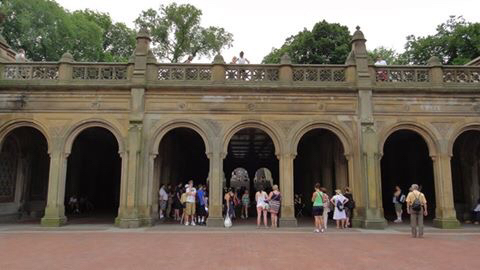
[[414, 194]]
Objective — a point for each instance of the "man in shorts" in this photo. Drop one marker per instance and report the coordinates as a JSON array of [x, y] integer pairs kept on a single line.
[[190, 206], [162, 199]]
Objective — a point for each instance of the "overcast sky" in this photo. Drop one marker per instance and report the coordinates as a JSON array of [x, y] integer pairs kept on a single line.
[[258, 25]]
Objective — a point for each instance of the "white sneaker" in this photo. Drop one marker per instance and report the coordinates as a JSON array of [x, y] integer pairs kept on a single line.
[[193, 223], [316, 231], [186, 223], [322, 230]]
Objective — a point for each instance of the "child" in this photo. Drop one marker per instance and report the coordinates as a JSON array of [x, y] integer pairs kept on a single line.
[[245, 204]]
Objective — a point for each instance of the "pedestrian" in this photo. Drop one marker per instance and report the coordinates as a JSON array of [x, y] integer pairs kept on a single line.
[[162, 201], [349, 206], [476, 213], [170, 193], [381, 73], [317, 209], [230, 204], [339, 214], [190, 203], [201, 212], [20, 56], [245, 204], [262, 206], [274, 199], [189, 60], [177, 204], [242, 60], [183, 201], [398, 200], [326, 207], [417, 208]]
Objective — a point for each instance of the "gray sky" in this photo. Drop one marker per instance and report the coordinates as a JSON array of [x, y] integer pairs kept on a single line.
[[258, 25]]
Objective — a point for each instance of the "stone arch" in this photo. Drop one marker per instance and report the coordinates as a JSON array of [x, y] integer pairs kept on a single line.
[[426, 133], [265, 127], [334, 128], [161, 131], [14, 124], [459, 130], [75, 130]]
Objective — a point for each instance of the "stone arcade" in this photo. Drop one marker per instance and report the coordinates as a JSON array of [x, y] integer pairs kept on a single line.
[[115, 131]]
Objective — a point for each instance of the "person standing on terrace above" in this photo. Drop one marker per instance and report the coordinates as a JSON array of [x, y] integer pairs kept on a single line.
[[189, 60], [20, 56], [381, 74], [242, 60]]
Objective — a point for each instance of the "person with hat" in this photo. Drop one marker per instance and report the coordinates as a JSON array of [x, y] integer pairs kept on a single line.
[[417, 208], [190, 203]]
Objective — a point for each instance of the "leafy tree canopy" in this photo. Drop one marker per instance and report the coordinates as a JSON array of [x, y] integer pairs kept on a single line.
[[389, 55], [46, 30], [456, 42], [326, 43], [176, 33]]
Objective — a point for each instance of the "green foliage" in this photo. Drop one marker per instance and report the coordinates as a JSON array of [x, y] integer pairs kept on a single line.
[[389, 55], [456, 42], [326, 43], [46, 30], [176, 32]]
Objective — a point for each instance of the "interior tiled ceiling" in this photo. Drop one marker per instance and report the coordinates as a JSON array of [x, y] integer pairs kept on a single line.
[[251, 143]]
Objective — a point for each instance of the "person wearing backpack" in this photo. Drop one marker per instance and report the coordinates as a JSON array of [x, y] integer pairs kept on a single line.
[[417, 208], [339, 213]]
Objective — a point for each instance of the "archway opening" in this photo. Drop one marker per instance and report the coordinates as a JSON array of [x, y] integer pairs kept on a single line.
[[320, 159], [24, 169], [181, 158], [406, 161], [92, 187], [253, 150], [465, 174]]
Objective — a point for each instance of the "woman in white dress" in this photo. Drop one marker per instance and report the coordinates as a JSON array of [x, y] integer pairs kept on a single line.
[[339, 214], [262, 206]]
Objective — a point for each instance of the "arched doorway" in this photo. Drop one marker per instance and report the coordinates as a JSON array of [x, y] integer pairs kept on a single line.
[[181, 157], [320, 159], [24, 168], [251, 149], [406, 161], [465, 173], [92, 187]]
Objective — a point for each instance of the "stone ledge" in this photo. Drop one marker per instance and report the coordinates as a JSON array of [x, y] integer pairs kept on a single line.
[[446, 223], [53, 222], [288, 222], [215, 222]]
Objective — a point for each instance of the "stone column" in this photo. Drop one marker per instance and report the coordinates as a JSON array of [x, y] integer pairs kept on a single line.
[[287, 214], [445, 216], [55, 209], [215, 200]]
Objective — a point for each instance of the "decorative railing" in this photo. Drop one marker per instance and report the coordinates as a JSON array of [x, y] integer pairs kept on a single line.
[[319, 73], [252, 73], [99, 71], [184, 72], [401, 74], [31, 71], [461, 74]]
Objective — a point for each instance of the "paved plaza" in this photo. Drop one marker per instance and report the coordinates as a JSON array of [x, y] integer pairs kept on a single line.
[[172, 246]]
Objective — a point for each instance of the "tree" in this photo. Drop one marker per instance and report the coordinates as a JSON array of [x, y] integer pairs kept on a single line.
[[46, 30], [456, 42], [326, 43], [176, 33], [389, 55]]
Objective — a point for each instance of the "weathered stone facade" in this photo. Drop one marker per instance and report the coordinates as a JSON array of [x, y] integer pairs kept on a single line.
[[141, 101]]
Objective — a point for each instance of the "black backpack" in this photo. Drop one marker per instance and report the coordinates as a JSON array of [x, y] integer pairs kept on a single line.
[[417, 205], [339, 205]]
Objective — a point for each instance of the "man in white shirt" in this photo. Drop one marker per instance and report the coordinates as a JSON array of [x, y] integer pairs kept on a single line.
[[163, 199], [190, 205], [381, 74]]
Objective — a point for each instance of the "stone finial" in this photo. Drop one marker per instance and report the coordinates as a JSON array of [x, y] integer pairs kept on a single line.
[[358, 35], [434, 61], [218, 59], [143, 33], [67, 58], [350, 61], [285, 59]]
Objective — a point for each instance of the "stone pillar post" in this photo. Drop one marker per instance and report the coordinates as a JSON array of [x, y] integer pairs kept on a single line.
[[215, 199], [370, 210], [285, 72], [436, 72], [218, 69], [65, 70], [55, 209], [287, 214], [445, 216]]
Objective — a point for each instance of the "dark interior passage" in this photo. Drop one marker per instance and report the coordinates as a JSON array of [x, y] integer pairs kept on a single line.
[[93, 174], [320, 159], [252, 149], [406, 161], [24, 169], [465, 173], [182, 158]]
